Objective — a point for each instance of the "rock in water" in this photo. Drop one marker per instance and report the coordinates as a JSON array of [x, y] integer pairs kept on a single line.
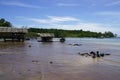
[[29, 45], [51, 62], [62, 40]]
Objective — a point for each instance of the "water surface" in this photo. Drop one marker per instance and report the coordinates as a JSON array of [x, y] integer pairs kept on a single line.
[[31, 60]]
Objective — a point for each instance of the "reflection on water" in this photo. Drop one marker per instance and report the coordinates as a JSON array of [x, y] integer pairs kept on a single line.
[[19, 61]]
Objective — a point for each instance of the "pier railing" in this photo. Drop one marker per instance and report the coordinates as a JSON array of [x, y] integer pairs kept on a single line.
[[15, 34], [11, 29]]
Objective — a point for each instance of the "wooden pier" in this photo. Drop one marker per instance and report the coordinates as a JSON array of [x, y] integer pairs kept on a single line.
[[12, 34], [46, 37]]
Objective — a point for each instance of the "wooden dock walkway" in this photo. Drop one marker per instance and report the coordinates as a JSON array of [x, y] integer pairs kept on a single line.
[[13, 34], [46, 37]]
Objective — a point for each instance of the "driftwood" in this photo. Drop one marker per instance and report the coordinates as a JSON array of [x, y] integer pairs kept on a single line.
[[93, 54], [75, 44], [84, 54]]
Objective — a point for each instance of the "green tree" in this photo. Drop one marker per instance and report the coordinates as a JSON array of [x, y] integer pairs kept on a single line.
[[4, 23], [72, 33], [109, 34]]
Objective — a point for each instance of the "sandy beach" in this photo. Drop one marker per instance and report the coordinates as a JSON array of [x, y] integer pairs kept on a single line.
[[34, 60]]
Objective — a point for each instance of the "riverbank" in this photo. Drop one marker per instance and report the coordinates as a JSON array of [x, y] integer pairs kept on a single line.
[[58, 61]]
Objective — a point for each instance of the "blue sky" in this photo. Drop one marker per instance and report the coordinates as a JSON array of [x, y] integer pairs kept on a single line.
[[93, 15]]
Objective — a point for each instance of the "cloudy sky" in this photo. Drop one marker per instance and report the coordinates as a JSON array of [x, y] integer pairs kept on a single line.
[[93, 15]]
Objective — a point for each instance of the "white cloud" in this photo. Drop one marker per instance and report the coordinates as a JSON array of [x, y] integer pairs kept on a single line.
[[62, 19], [113, 3], [67, 4], [20, 4], [50, 19], [95, 27], [108, 13], [84, 26]]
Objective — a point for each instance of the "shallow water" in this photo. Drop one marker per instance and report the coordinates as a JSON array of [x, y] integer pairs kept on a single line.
[[19, 61]]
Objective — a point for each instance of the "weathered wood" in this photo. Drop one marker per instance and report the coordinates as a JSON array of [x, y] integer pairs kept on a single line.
[[11, 29], [15, 34], [46, 34], [46, 37]]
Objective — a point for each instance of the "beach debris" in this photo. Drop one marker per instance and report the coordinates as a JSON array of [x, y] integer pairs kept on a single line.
[[75, 44], [29, 46], [98, 54], [102, 54], [84, 54], [94, 54], [35, 61]]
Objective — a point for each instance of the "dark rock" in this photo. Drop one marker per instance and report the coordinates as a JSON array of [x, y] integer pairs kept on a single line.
[[29, 45], [51, 62], [62, 39], [92, 53], [35, 61], [102, 54]]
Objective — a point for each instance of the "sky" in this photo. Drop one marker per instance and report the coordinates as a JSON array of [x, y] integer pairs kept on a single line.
[[88, 15]]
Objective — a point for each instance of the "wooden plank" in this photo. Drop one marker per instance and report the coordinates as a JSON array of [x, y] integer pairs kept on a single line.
[[46, 34], [10, 29]]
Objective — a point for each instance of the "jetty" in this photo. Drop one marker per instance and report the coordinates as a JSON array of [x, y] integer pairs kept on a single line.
[[45, 37], [13, 34]]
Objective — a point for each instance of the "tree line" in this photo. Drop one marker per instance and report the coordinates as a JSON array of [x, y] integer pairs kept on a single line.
[[71, 33]]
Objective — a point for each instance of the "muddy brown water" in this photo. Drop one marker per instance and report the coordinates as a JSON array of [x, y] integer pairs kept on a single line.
[[34, 60]]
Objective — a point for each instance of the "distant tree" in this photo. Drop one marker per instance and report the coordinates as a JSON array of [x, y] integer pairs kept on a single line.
[[4, 23], [108, 34], [71, 33], [2, 20]]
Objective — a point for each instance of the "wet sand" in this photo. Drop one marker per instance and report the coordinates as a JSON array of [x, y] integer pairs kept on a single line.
[[56, 61]]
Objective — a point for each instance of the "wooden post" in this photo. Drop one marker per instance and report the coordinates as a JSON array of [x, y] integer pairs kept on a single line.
[[4, 39]]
